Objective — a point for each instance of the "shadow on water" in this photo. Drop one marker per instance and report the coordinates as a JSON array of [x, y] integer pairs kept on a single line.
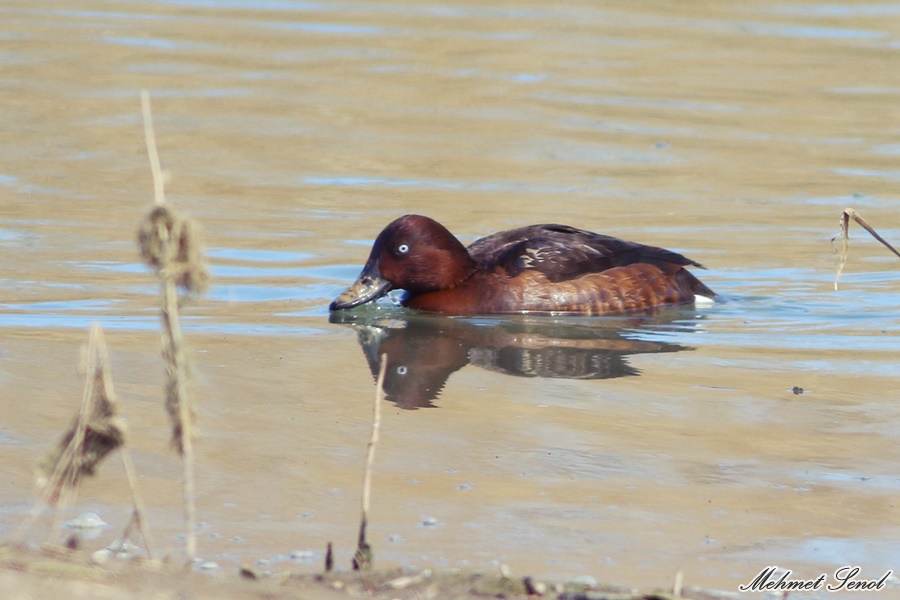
[[424, 350]]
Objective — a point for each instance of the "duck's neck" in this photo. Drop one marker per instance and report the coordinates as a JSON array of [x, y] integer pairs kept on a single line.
[[460, 266]]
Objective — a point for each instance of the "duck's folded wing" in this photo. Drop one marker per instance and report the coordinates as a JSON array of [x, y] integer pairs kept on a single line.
[[561, 252]]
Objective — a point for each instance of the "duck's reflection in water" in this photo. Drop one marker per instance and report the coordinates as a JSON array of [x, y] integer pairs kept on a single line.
[[424, 350]]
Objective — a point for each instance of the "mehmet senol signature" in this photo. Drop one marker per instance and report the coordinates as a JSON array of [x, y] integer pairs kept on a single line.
[[846, 578]]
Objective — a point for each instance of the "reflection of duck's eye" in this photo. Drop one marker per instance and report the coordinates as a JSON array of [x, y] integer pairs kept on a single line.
[[401, 370], [403, 248]]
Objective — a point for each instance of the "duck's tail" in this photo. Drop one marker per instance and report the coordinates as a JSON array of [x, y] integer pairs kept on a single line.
[[686, 280]]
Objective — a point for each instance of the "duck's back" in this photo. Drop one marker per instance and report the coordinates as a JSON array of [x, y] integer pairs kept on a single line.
[[561, 252]]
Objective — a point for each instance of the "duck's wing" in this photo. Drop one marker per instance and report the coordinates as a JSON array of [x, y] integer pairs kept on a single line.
[[561, 252]]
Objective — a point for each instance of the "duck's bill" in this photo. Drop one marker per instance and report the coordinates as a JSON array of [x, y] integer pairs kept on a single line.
[[368, 287]]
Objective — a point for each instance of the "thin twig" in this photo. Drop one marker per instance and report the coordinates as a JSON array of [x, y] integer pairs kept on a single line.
[[364, 555], [848, 214], [138, 515], [98, 347], [159, 194]]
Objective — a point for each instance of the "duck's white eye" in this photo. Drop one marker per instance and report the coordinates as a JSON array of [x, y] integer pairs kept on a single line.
[[401, 370], [403, 248]]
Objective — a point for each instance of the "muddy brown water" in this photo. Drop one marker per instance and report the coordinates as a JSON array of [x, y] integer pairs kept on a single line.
[[623, 449]]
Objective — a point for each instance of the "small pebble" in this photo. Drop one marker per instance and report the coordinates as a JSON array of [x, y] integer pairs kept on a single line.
[[797, 390], [430, 522], [403, 582], [585, 580], [86, 520], [208, 565]]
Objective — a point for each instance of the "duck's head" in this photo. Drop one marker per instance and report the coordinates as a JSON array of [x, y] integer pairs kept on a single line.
[[413, 253]]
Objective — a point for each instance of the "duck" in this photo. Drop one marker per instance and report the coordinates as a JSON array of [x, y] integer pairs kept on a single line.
[[546, 269]]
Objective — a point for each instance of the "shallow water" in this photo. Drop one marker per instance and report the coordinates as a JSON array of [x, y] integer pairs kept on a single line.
[[621, 448]]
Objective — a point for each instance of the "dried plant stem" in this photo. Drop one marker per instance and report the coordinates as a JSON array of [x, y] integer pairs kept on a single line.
[[95, 432], [159, 194], [176, 365], [362, 559], [59, 487], [98, 347], [848, 214], [62, 485], [137, 516], [164, 242]]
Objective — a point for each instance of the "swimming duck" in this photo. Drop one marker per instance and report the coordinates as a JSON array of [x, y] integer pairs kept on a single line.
[[539, 269]]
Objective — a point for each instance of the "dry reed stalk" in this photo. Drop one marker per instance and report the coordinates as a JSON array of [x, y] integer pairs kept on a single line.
[[848, 214], [170, 244], [362, 559], [159, 192], [96, 431], [137, 516]]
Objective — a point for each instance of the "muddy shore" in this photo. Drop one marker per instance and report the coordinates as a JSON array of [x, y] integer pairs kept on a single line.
[[61, 573]]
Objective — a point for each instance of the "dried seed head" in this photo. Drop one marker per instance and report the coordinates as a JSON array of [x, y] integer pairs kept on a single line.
[[95, 432], [172, 245]]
